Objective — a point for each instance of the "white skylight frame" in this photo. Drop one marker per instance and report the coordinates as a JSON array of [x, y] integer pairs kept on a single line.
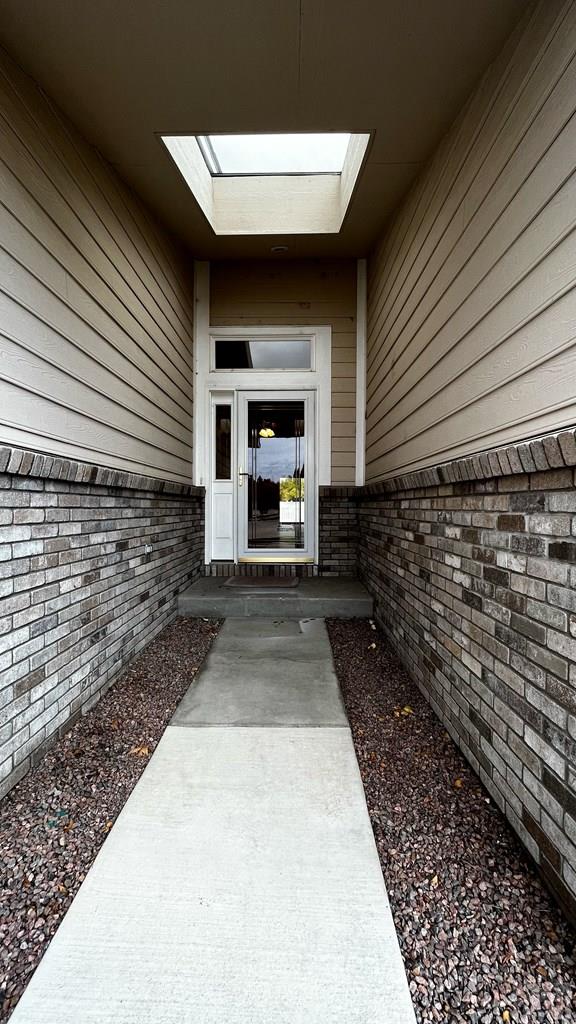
[[272, 203]]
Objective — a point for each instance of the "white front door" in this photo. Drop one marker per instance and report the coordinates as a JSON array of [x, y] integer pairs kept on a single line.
[[262, 494], [276, 479]]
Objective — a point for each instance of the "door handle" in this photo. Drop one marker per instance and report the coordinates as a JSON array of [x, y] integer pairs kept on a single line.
[[240, 476]]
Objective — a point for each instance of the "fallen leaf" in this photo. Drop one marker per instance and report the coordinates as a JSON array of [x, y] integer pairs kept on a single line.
[[108, 826], [434, 882], [140, 751], [505, 1015], [458, 783]]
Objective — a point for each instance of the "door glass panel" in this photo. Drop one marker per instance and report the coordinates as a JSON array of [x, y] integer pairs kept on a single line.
[[223, 439], [265, 354], [275, 465]]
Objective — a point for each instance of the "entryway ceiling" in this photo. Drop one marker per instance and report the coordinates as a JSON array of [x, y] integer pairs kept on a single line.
[[126, 70]]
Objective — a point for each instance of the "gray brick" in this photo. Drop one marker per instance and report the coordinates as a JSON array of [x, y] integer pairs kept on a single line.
[[563, 645], [526, 459], [553, 525], [542, 702], [528, 628], [553, 452], [543, 796], [554, 480], [82, 666], [544, 751], [528, 586], [564, 502], [567, 446], [547, 614], [562, 597], [544, 569], [25, 548]]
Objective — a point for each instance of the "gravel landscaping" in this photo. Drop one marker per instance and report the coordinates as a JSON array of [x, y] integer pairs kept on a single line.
[[481, 938], [53, 823]]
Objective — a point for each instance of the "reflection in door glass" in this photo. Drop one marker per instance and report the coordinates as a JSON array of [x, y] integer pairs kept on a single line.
[[223, 439], [276, 451]]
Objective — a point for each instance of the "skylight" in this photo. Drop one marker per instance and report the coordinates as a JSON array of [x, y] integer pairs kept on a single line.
[[271, 184], [279, 153]]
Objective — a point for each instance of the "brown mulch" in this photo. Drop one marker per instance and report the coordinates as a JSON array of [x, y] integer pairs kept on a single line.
[[481, 938], [53, 823]]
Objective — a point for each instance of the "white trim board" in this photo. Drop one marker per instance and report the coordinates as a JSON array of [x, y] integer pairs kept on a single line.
[[201, 345], [361, 330]]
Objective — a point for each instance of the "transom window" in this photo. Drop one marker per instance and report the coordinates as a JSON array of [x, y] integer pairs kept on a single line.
[[262, 354]]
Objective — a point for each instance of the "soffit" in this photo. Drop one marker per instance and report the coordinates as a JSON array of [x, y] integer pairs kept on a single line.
[[126, 71]]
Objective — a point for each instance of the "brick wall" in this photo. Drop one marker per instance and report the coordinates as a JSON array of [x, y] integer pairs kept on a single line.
[[338, 532], [277, 569], [475, 584], [91, 561]]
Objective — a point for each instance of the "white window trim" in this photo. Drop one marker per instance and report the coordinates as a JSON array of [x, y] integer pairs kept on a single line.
[[208, 381]]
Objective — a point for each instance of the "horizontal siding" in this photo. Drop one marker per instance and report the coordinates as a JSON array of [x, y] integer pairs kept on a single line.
[[96, 304], [297, 293], [471, 300]]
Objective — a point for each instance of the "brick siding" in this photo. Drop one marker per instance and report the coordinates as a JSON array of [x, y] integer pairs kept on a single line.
[[91, 561], [278, 569], [475, 585], [473, 569], [338, 532]]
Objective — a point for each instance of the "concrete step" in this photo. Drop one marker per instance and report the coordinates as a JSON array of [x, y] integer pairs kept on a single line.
[[325, 597]]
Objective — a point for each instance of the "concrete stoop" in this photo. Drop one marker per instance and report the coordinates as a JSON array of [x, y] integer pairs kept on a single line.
[[318, 597]]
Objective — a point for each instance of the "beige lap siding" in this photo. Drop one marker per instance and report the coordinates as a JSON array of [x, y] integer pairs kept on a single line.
[[95, 303], [300, 292], [471, 293]]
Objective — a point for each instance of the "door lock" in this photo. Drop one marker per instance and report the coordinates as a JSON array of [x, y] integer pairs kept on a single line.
[[241, 475]]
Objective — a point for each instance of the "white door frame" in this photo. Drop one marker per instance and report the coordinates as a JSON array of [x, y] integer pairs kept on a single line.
[[307, 553], [210, 382]]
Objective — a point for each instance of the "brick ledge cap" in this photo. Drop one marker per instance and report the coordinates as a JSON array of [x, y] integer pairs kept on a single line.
[[540, 454], [27, 463]]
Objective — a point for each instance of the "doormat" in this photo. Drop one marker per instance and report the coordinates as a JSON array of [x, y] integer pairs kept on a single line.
[[262, 582]]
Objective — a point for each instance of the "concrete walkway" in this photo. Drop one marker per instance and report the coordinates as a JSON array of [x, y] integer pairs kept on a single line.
[[241, 883]]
